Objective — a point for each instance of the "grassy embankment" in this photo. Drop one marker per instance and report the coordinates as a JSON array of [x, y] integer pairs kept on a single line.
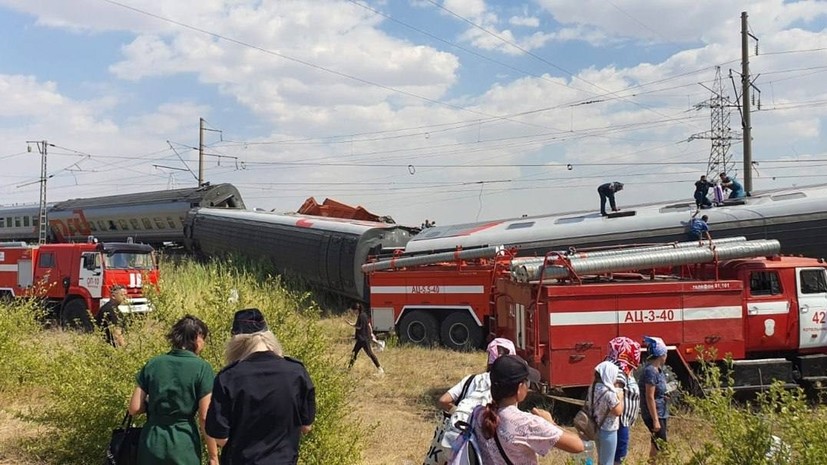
[[61, 393]]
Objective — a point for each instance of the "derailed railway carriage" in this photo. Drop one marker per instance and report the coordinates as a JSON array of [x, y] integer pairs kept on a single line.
[[327, 252], [148, 217]]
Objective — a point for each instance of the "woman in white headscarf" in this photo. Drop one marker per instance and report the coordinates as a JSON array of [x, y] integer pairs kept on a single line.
[[606, 398]]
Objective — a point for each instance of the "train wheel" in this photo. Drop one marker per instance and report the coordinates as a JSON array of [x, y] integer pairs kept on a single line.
[[76, 316], [420, 328], [460, 332]]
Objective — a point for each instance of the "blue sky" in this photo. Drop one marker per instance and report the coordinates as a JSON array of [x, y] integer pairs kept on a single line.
[[453, 110]]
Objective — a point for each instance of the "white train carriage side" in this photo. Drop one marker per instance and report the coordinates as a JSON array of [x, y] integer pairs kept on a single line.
[[797, 217]]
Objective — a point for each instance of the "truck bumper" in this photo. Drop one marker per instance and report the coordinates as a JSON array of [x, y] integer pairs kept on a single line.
[[138, 305]]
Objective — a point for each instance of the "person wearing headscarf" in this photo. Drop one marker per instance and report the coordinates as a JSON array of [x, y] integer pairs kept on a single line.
[[606, 399], [507, 434], [625, 353], [262, 401], [653, 386]]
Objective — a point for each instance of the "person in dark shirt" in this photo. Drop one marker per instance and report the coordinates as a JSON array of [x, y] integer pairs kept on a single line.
[[702, 187], [607, 191], [363, 335], [262, 402], [108, 317]]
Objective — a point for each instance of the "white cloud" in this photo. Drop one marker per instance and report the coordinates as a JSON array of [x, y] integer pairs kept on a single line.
[[524, 21]]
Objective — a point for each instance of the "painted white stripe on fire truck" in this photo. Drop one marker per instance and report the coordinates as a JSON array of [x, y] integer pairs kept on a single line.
[[427, 289], [8, 267], [661, 315], [711, 313]]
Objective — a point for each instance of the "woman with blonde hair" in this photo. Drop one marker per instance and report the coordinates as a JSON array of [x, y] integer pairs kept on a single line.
[[262, 401]]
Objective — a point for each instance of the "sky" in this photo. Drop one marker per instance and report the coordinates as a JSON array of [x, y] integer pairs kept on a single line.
[[448, 110]]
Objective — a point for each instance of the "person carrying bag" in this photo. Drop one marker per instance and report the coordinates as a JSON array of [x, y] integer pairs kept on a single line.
[[123, 446]]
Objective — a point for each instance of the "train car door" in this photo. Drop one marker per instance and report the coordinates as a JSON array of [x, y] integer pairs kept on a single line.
[[812, 307]]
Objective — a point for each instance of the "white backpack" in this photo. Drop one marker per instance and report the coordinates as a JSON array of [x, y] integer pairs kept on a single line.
[[469, 400]]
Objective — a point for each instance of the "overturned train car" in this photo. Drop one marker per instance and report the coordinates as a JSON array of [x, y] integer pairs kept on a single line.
[[148, 217], [797, 217], [326, 252]]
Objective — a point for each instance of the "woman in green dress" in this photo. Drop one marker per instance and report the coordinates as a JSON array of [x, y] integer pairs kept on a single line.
[[171, 389]]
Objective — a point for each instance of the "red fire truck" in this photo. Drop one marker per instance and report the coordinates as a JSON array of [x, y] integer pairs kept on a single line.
[[74, 279], [768, 314]]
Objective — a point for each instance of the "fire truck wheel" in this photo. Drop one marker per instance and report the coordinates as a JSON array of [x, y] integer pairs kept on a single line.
[[460, 332], [420, 328], [75, 316]]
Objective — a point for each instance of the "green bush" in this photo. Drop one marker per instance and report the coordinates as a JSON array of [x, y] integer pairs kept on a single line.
[[777, 427], [87, 382]]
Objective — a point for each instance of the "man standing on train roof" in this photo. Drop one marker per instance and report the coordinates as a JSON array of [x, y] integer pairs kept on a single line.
[[702, 187], [607, 191], [735, 187]]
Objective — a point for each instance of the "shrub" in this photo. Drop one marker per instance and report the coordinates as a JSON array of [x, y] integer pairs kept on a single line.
[[88, 382]]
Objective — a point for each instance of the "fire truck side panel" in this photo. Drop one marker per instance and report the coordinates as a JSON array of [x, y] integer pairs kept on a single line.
[[579, 320]]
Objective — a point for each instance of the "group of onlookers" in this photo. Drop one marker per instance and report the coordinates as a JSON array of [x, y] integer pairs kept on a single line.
[[255, 409], [507, 435]]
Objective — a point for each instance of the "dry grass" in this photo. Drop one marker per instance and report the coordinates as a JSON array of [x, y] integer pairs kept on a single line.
[[401, 405]]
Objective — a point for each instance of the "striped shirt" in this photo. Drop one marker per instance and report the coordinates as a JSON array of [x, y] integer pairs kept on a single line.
[[631, 400]]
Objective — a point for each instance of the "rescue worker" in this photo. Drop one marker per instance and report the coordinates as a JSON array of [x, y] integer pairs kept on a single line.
[[702, 187], [699, 229], [108, 317], [607, 191], [735, 187], [262, 402]]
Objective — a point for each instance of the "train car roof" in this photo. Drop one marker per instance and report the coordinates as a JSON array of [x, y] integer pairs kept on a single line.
[[762, 207], [185, 195], [301, 221]]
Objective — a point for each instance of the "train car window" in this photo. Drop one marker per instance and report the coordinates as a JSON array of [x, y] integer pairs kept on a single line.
[[764, 283], [92, 226], [813, 282], [171, 222], [8, 222], [2, 222], [16, 221], [147, 223], [35, 221], [123, 224], [523, 225], [134, 222], [789, 196], [46, 260], [112, 226], [159, 224], [26, 221]]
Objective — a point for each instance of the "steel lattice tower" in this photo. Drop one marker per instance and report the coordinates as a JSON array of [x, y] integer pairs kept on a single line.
[[720, 134]]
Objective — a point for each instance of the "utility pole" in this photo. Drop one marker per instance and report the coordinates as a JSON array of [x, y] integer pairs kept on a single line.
[[201, 153], [745, 99], [42, 219]]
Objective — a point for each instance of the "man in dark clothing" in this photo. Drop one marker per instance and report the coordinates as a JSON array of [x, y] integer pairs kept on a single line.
[[363, 335], [702, 187], [108, 317], [607, 191], [262, 403]]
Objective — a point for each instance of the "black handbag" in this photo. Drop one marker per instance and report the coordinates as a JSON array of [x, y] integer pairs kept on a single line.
[[123, 447]]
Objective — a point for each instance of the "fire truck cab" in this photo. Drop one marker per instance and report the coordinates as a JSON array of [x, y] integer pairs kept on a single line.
[[74, 279]]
